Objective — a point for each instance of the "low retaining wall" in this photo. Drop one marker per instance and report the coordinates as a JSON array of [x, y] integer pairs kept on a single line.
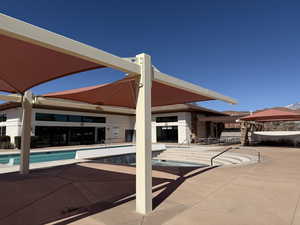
[[279, 137], [111, 151]]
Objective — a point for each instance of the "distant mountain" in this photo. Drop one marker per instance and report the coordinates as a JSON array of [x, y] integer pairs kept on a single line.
[[293, 106]]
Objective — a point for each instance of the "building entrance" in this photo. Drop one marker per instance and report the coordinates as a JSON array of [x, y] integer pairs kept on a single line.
[[101, 135], [167, 134], [60, 136]]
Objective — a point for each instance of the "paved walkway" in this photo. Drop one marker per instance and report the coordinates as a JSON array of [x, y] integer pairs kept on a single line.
[[92, 193]]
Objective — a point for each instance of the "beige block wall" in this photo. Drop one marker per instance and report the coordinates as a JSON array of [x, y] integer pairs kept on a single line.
[[201, 129]]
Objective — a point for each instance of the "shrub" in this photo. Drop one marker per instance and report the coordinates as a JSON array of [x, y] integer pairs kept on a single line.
[[18, 142], [5, 139], [6, 145], [5, 142], [33, 142]]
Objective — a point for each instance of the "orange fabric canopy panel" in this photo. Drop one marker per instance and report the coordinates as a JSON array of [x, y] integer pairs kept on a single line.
[[123, 93], [272, 115], [24, 65]]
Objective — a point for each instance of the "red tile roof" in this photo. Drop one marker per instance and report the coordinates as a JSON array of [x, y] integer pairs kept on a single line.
[[273, 115]]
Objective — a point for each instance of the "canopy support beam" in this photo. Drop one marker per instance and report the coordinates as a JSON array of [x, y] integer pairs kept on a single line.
[[143, 140], [181, 84], [26, 132], [56, 102], [11, 98], [18, 29]]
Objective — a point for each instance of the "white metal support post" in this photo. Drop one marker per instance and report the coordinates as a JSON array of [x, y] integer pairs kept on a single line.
[[26, 132], [143, 137]]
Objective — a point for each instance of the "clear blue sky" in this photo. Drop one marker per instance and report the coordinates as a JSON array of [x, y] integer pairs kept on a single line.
[[249, 50]]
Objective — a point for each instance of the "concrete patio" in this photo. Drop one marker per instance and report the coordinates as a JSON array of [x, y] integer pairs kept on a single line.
[[94, 193]]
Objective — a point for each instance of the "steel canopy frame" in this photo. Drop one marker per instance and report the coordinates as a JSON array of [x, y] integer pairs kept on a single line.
[[141, 66], [44, 101], [18, 29], [181, 84]]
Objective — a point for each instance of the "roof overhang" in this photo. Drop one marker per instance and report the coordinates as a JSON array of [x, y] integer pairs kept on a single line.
[[186, 108], [219, 119]]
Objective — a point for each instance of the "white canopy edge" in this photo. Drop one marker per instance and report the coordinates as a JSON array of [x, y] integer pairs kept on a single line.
[[11, 98], [181, 84], [45, 101], [27, 32], [277, 133], [80, 105], [18, 29]]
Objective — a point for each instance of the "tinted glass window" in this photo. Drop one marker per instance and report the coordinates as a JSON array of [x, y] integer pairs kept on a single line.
[[68, 118], [44, 117], [2, 117], [75, 118], [51, 117], [3, 131], [93, 119], [166, 119], [60, 118]]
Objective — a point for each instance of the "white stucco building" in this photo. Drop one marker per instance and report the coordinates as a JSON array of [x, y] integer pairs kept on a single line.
[[65, 126]]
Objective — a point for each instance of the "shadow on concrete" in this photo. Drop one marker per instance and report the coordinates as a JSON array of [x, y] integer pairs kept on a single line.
[[173, 185], [72, 192]]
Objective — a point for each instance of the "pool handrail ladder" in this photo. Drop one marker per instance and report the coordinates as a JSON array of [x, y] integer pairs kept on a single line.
[[215, 156]]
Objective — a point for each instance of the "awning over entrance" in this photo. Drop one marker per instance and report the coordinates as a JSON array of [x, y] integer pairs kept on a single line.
[[123, 93], [272, 115]]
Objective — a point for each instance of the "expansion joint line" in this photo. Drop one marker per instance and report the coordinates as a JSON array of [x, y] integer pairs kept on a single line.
[[295, 211], [223, 186], [143, 220]]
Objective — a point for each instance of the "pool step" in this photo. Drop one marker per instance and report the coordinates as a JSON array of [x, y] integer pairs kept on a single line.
[[202, 156], [234, 159]]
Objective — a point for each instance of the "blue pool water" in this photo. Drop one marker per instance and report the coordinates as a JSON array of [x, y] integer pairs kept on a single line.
[[36, 157], [158, 162], [169, 163], [127, 159], [130, 159]]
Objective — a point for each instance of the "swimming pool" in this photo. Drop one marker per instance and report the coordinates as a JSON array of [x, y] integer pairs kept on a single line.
[[169, 163], [118, 154], [130, 159], [36, 157], [158, 162]]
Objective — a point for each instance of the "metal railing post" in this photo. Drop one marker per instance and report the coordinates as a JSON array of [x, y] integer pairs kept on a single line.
[[215, 156]]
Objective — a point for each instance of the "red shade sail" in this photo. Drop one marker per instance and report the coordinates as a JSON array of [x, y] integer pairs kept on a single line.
[[24, 65], [31, 55], [123, 93], [272, 115]]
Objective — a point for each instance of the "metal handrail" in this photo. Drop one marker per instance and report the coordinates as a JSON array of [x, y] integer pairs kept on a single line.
[[215, 156], [258, 153]]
